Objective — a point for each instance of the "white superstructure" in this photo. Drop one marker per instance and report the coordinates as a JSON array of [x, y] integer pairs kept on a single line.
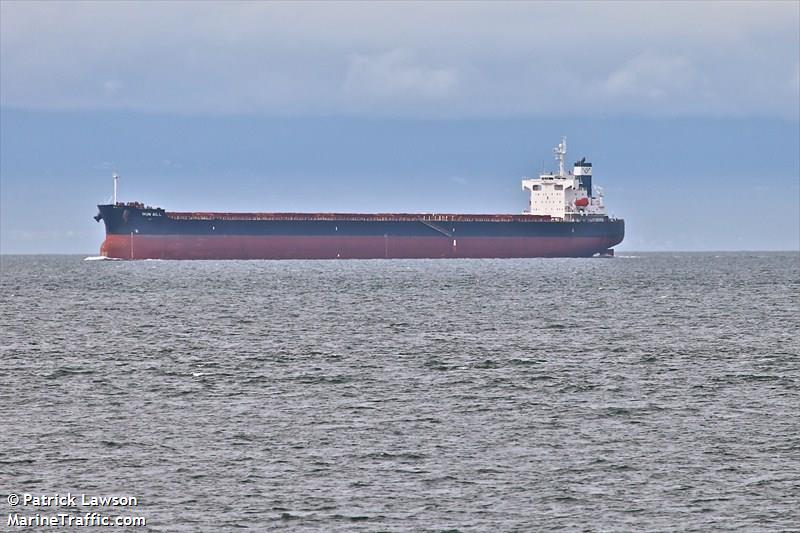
[[564, 195]]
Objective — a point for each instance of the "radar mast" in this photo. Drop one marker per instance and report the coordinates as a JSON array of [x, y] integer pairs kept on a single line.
[[560, 152]]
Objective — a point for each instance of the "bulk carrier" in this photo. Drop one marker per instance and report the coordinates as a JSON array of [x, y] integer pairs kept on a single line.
[[565, 217]]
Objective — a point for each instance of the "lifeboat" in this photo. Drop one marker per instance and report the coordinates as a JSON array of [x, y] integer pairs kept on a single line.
[[582, 202]]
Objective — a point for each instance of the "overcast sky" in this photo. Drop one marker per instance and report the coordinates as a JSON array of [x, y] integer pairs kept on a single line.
[[689, 110], [424, 59]]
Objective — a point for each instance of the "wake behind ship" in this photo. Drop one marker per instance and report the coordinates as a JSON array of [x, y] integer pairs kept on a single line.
[[566, 217]]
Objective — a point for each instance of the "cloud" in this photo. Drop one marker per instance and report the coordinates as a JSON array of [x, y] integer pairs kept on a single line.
[[651, 77], [112, 87], [450, 59], [396, 74]]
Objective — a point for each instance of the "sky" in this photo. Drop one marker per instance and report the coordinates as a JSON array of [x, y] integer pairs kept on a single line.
[[690, 112]]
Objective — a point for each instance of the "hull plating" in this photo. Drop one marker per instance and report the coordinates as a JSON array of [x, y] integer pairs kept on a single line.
[[349, 247]]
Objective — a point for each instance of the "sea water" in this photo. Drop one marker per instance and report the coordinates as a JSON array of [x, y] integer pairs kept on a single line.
[[649, 391]]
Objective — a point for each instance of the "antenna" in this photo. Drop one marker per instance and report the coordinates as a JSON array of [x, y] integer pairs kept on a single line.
[[560, 152], [116, 179]]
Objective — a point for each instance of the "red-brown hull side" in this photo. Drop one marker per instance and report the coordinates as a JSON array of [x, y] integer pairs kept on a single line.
[[293, 247]]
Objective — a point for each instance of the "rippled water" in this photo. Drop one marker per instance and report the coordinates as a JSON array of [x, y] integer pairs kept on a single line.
[[659, 391]]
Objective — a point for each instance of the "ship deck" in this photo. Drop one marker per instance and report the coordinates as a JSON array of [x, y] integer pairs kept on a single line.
[[358, 217]]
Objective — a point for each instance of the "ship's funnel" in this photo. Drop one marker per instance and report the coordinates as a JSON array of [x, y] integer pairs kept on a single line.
[[583, 171]]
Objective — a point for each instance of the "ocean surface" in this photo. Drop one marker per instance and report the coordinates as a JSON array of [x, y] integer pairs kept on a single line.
[[653, 392]]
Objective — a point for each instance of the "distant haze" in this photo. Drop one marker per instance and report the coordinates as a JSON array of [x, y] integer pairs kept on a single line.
[[689, 111]]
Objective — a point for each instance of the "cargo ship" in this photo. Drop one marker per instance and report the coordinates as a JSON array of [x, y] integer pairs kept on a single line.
[[565, 217]]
